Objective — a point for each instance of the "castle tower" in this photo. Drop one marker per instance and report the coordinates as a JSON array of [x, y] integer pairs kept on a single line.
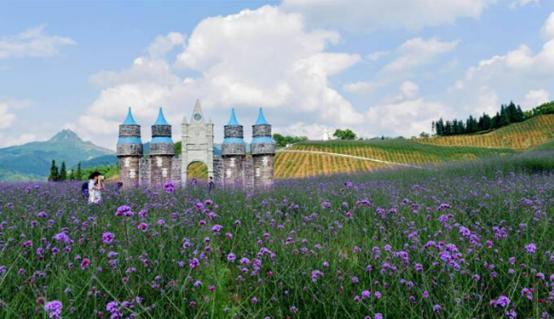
[[263, 152], [162, 152], [233, 151], [198, 142], [129, 151]]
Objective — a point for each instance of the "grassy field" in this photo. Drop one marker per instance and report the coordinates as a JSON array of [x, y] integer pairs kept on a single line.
[[519, 136]]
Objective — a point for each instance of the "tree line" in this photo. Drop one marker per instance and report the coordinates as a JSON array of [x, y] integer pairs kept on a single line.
[[61, 174], [508, 114]]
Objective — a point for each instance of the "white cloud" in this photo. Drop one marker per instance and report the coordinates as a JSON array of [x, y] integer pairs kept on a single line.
[[6, 141], [407, 114], [548, 27], [34, 42], [417, 52], [263, 57], [374, 56], [522, 3], [535, 98], [391, 14], [165, 44], [6, 117], [507, 76], [360, 87]]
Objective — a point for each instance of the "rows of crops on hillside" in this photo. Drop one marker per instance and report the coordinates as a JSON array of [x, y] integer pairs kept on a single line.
[[533, 132], [297, 165], [398, 151]]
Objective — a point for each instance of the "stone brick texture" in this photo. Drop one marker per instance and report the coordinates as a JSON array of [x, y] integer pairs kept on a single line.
[[162, 149], [263, 171], [129, 130], [129, 171], [233, 149], [161, 130], [129, 150], [233, 131], [261, 130], [262, 148]]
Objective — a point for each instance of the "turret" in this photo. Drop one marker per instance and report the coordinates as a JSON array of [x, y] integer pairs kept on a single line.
[[263, 152], [129, 151], [233, 151], [162, 151]]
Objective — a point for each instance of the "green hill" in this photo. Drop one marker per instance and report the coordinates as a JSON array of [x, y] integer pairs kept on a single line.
[[32, 161]]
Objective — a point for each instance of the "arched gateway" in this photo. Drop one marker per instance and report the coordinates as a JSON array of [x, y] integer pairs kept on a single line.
[[198, 142]]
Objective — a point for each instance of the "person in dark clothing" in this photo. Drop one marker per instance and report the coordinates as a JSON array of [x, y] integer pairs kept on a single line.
[[211, 184]]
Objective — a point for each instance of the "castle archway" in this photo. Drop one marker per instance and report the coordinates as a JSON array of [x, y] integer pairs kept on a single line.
[[197, 170]]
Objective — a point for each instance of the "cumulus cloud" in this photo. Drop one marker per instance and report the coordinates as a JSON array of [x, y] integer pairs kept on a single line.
[[406, 114], [34, 42], [360, 87], [263, 57], [548, 27], [7, 118], [417, 52], [534, 98], [391, 14], [515, 73]]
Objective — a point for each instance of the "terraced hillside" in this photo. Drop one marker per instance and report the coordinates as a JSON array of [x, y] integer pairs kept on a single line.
[[318, 158], [519, 136]]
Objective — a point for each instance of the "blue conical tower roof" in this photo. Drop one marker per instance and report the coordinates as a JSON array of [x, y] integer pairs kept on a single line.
[[233, 119], [161, 118], [129, 120], [261, 118]]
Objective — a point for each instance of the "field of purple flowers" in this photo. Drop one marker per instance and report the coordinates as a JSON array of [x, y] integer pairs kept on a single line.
[[402, 245]]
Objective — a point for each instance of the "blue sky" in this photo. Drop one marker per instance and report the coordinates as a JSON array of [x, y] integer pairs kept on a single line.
[[381, 67]]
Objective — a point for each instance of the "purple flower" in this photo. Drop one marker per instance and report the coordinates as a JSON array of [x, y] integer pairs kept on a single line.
[[54, 309], [85, 263], [366, 294], [378, 315], [124, 210], [63, 237], [217, 228], [107, 238], [143, 227], [437, 308], [377, 294], [531, 248], [501, 302], [231, 257], [169, 187], [527, 293], [316, 274], [194, 262]]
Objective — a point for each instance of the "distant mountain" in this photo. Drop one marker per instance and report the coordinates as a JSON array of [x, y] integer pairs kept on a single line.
[[32, 161]]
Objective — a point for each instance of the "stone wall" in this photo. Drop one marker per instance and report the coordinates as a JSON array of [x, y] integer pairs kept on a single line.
[[129, 171], [248, 176], [218, 170], [233, 149], [160, 170], [129, 130], [162, 149], [261, 130], [129, 150], [176, 170], [161, 130], [262, 148], [263, 171], [233, 171], [144, 171], [233, 131]]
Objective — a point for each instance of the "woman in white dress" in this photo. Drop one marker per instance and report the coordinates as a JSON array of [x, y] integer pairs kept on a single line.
[[95, 187]]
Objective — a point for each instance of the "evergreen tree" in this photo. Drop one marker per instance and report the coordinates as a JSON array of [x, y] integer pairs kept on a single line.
[[63, 173], [79, 173], [53, 172]]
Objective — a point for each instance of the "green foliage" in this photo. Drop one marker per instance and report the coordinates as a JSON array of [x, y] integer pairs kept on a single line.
[[178, 148], [109, 171], [345, 135], [284, 140], [63, 173], [54, 173]]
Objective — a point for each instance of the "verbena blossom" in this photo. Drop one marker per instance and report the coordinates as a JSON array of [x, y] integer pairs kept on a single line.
[[108, 238], [54, 309]]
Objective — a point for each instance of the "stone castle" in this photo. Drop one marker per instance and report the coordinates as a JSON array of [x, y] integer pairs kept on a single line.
[[230, 166]]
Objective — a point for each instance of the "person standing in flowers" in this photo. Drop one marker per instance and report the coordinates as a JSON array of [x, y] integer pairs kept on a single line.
[[211, 184], [95, 188]]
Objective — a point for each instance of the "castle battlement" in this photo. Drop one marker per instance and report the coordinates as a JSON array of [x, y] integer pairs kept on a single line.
[[234, 167]]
